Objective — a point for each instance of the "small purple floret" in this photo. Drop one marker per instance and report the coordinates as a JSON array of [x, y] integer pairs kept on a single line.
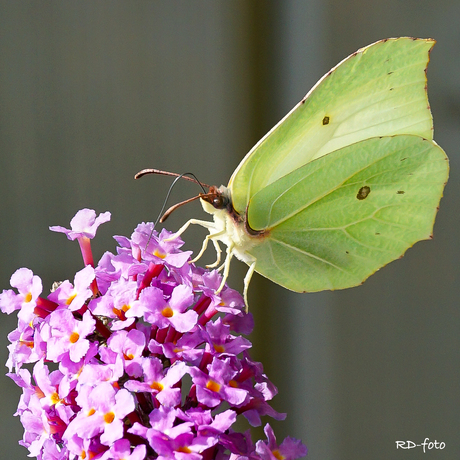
[[84, 224]]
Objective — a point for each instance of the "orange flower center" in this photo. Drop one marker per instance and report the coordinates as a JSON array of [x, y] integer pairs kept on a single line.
[[159, 254], [55, 398], [109, 417], [74, 337], [219, 348], [69, 300], [156, 386], [213, 386]]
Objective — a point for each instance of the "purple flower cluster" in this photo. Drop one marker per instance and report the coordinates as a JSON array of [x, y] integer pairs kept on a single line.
[[138, 358]]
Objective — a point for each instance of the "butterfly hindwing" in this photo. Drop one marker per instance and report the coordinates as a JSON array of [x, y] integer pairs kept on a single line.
[[333, 222]]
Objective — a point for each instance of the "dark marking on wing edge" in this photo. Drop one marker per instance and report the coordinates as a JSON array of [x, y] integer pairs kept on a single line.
[[400, 192], [363, 192], [326, 120]]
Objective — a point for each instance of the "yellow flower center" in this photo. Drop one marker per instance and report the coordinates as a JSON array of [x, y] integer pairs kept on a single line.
[[219, 348], [159, 254], [167, 312], [74, 337], [69, 300], [276, 454], [28, 297], [156, 386], [213, 386], [109, 417], [55, 398]]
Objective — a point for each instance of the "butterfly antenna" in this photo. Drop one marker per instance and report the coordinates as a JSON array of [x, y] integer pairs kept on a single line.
[[178, 205], [167, 173], [162, 217]]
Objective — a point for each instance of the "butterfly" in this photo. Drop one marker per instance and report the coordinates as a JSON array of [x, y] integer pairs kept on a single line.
[[345, 183]]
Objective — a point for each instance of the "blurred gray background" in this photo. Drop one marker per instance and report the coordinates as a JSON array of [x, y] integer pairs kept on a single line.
[[93, 91]]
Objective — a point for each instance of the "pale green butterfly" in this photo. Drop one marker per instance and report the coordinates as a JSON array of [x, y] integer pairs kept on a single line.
[[345, 183]]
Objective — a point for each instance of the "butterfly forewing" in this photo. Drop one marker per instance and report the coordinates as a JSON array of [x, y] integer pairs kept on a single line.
[[378, 91]]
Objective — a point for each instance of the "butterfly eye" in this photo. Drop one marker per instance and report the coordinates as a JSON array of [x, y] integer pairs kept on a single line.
[[217, 202], [220, 201], [216, 198]]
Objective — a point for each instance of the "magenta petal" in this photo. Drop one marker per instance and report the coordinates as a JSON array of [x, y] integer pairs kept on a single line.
[[83, 224], [184, 322]]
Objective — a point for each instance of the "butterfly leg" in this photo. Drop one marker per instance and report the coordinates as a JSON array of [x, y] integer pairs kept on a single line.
[[218, 252], [203, 223], [203, 248], [211, 236], [221, 267], [247, 280], [228, 258]]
